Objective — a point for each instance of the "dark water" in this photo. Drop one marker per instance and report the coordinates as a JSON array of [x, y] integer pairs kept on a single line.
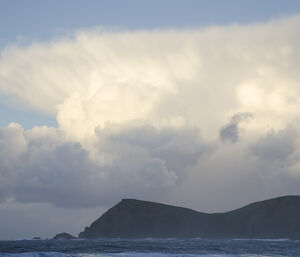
[[149, 248]]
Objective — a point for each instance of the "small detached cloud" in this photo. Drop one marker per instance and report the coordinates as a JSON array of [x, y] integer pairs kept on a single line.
[[230, 132]]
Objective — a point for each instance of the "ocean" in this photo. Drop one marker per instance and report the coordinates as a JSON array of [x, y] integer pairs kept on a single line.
[[150, 247]]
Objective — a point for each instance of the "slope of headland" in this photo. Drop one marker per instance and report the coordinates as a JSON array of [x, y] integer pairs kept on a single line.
[[130, 218]]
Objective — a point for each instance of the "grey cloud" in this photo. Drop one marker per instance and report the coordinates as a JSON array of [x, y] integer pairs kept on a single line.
[[136, 161], [230, 132], [234, 175], [275, 146], [178, 148], [12, 144], [61, 175]]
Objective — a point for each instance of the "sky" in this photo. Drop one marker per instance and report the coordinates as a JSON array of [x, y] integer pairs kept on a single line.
[[189, 103]]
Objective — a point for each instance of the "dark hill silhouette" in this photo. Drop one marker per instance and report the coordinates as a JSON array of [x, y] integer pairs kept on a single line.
[[130, 218]]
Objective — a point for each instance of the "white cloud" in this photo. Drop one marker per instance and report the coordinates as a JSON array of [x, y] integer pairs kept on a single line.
[[101, 77], [140, 115]]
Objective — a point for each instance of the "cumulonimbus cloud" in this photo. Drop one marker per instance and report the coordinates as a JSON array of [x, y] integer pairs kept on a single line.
[[141, 112]]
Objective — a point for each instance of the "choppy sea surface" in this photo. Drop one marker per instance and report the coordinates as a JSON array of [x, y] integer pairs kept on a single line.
[[150, 248]]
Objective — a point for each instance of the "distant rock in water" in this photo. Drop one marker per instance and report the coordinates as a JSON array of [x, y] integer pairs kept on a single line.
[[63, 236], [275, 218]]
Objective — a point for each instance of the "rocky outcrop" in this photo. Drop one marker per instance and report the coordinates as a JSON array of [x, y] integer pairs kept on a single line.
[[63, 236], [275, 218]]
